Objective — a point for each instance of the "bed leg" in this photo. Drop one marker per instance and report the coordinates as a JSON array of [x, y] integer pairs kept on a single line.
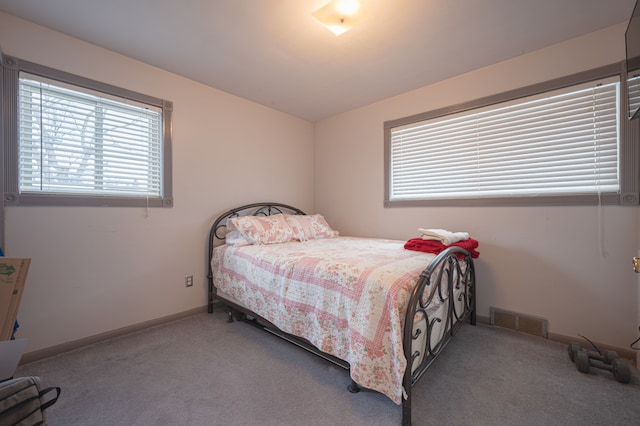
[[406, 412], [229, 315], [472, 317], [353, 387], [210, 295]]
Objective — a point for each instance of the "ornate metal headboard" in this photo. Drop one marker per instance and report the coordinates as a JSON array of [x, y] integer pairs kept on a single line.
[[256, 209]]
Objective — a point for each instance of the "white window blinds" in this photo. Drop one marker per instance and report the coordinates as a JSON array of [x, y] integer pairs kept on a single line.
[[559, 142], [76, 141], [633, 94]]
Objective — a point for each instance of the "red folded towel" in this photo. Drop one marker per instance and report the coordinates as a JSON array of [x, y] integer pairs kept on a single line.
[[432, 246]]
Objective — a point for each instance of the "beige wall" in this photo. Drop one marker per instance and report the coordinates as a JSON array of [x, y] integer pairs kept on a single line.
[[100, 269], [550, 262]]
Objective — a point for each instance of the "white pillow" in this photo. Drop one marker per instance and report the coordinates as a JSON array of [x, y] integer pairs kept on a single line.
[[235, 238]]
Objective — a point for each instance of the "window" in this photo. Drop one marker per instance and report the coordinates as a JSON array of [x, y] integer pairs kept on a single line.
[[633, 93], [75, 141], [556, 143]]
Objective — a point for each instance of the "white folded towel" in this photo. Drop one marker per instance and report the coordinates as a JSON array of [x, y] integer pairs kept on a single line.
[[442, 235]]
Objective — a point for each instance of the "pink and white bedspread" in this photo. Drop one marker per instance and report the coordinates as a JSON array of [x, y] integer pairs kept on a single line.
[[347, 296]]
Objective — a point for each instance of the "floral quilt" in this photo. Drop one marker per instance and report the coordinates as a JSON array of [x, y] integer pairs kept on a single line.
[[346, 295]]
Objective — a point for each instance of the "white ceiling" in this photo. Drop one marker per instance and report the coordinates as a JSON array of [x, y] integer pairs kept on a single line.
[[275, 53]]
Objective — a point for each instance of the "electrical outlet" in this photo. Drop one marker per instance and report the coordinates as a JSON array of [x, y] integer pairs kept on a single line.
[[188, 281]]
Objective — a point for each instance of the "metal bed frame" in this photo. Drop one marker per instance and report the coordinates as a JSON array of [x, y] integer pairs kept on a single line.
[[450, 272]]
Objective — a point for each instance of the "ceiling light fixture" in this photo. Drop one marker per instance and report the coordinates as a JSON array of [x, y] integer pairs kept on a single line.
[[340, 16]]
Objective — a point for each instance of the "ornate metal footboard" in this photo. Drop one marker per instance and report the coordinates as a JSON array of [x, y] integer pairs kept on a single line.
[[442, 300]]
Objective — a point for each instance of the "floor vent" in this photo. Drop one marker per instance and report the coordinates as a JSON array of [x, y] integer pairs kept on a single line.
[[519, 322]]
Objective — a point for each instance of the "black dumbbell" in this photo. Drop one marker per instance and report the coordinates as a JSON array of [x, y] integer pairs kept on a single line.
[[608, 361], [607, 356]]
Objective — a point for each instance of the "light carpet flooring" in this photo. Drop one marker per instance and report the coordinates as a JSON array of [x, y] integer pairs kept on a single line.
[[202, 370]]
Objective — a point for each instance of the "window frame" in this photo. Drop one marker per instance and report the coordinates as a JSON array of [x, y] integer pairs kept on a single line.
[[11, 68], [629, 135]]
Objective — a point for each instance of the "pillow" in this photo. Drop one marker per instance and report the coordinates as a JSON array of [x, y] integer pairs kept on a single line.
[[235, 238], [262, 229], [310, 227]]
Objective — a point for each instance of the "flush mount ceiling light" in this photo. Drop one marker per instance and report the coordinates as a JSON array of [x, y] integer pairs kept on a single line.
[[340, 16]]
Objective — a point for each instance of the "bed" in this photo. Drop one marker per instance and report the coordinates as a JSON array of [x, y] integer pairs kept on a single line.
[[366, 304]]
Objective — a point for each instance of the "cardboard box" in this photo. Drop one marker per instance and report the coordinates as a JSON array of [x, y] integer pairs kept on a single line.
[[10, 354], [13, 275]]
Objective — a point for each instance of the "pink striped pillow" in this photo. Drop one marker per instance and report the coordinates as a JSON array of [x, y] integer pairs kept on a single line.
[[310, 227], [262, 229]]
